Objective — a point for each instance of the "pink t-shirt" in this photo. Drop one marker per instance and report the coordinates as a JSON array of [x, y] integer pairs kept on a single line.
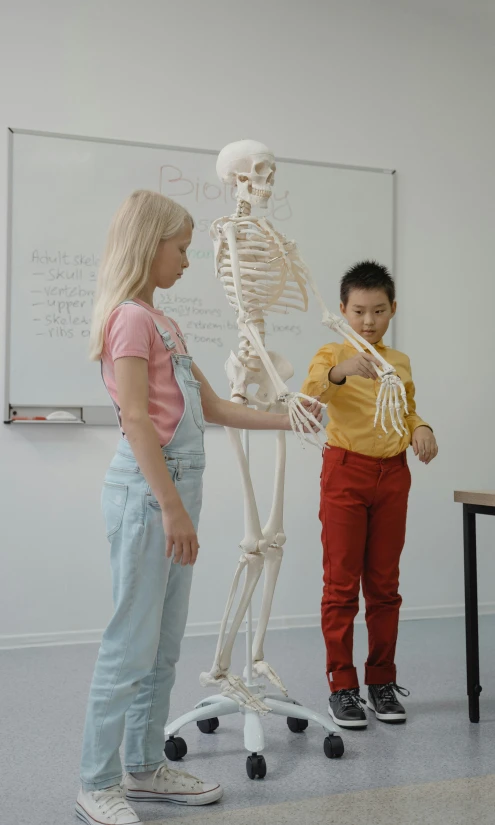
[[131, 331]]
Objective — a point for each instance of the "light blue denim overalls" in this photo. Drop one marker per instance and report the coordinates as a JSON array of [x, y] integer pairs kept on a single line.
[[135, 670]]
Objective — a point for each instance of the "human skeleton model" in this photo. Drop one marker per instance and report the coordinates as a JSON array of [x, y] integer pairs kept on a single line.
[[262, 272]]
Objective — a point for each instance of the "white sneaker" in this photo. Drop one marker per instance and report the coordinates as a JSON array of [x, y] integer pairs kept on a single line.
[[167, 785], [105, 807]]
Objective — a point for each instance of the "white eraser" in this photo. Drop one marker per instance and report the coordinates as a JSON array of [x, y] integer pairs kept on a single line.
[[61, 415]]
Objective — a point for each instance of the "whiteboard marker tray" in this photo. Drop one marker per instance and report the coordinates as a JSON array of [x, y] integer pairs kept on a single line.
[[33, 414], [57, 421]]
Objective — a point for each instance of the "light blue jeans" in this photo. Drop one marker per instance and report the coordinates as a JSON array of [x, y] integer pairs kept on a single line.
[[135, 669]]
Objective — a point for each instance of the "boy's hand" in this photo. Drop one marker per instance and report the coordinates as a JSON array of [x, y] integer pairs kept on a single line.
[[315, 408], [361, 364], [424, 444]]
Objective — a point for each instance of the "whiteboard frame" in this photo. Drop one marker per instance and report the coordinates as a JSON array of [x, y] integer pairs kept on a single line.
[[105, 418]]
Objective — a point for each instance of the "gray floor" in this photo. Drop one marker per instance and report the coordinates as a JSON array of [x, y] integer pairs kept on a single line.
[[44, 690]]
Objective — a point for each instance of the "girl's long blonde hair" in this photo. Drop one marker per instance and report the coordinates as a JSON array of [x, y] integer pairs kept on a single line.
[[143, 220]]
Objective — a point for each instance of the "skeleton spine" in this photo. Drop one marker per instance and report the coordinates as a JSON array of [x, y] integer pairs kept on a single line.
[[247, 354], [243, 209]]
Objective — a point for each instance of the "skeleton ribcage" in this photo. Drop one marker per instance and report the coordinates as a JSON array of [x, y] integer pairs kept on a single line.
[[272, 273]]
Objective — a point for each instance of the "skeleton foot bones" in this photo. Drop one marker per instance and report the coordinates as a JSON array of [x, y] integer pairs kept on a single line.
[[234, 688], [262, 670]]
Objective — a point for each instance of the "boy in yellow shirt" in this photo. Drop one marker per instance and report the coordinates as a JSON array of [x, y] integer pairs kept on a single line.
[[365, 485]]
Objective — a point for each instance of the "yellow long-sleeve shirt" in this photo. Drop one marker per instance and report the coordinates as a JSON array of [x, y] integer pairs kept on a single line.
[[351, 406]]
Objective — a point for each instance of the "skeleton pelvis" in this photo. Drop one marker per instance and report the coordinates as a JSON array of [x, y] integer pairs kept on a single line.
[[241, 376]]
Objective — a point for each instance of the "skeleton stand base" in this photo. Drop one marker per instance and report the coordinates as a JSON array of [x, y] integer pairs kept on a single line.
[[211, 708], [254, 740]]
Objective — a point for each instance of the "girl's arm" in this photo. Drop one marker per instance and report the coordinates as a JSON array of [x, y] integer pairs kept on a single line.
[[217, 410], [131, 375]]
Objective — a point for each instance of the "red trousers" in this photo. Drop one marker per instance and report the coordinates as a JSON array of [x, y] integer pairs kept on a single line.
[[363, 510]]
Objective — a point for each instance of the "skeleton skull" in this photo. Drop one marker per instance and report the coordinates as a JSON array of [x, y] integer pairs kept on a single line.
[[250, 166]]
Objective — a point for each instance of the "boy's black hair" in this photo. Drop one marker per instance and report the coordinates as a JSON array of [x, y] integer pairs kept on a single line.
[[367, 275]]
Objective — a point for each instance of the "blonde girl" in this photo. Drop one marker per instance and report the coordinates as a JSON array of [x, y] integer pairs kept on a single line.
[[151, 503]]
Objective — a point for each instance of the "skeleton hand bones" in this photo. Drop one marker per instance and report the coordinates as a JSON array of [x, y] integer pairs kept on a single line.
[[305, 416]]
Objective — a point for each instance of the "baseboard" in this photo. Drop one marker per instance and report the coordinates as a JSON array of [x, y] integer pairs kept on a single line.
[[74, 637]]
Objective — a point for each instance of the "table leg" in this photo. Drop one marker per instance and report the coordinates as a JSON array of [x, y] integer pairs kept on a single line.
[[471, 603]]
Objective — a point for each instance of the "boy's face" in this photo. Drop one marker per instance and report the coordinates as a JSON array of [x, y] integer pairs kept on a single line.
[[369, 313]]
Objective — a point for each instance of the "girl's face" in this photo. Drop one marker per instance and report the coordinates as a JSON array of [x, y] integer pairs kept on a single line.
[[171, 258]]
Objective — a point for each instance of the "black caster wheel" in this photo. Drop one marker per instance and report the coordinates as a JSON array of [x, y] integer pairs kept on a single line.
[[256, 766], [208, 725], [297, 725], [333, 747], [175, 748]]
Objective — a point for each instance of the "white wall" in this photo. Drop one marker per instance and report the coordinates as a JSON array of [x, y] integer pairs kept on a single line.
[[389, 84]]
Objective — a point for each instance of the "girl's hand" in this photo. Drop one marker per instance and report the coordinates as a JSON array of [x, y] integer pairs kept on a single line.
[[181, 538], [424, 444]]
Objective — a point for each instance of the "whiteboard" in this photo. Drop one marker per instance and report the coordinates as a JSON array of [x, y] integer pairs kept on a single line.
[[64, 192]]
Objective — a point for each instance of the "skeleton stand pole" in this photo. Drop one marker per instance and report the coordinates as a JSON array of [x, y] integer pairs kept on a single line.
[[249, 614], [254, 739]]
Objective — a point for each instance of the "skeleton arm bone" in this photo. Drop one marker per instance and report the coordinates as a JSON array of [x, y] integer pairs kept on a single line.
[[300, 417], [234, 415]]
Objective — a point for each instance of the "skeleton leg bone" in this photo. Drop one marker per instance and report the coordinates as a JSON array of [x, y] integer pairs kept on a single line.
[[253, 545], [273, 530], [253, 540], [215, 670], [255, 562], [273, 558], [230, 685]]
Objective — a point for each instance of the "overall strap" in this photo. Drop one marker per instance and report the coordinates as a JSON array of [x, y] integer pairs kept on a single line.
[[179, 333]]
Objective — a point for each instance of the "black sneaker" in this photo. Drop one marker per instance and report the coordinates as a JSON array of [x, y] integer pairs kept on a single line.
[[346, 709], [384, 703]]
